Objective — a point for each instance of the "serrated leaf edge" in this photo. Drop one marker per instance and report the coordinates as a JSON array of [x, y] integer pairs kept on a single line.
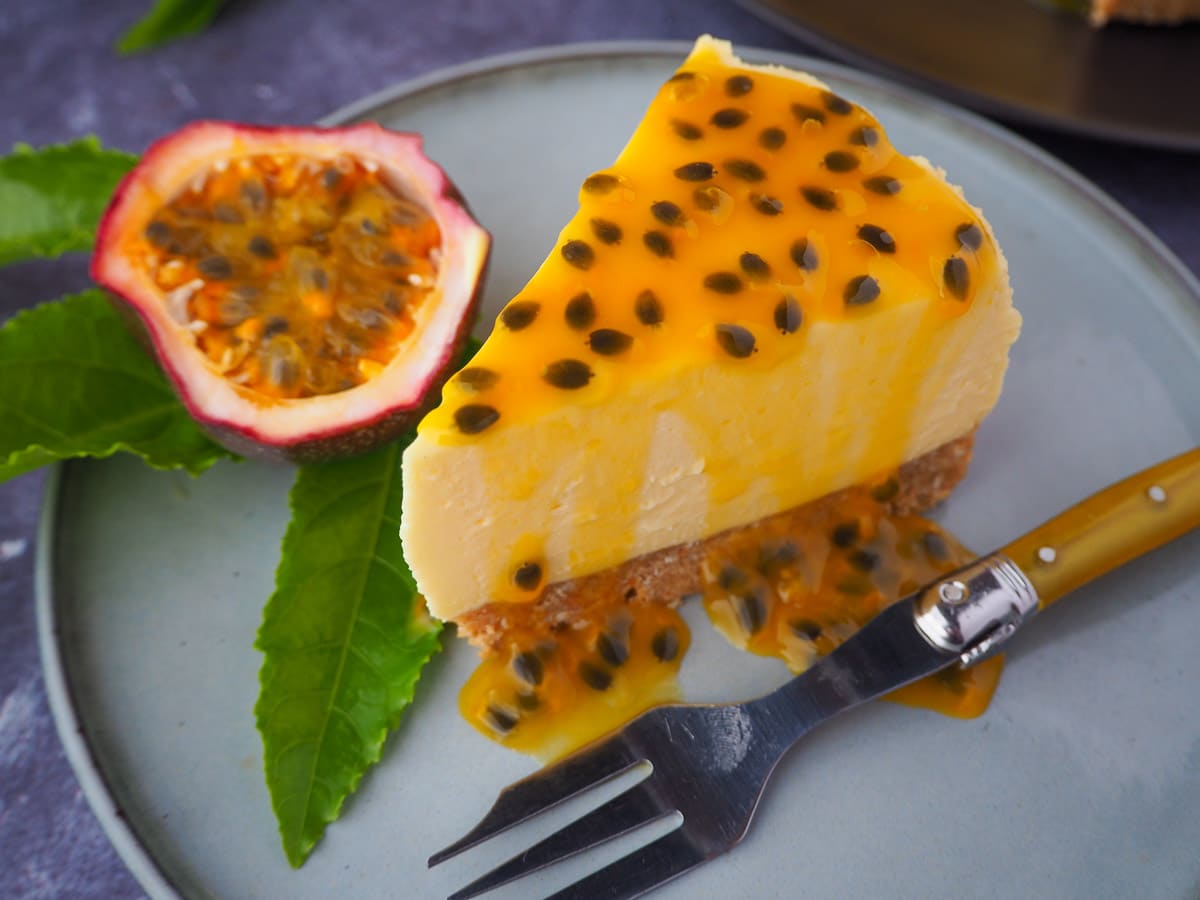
[[303, 847]]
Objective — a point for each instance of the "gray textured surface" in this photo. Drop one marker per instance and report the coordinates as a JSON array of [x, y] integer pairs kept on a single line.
[[294, 61]]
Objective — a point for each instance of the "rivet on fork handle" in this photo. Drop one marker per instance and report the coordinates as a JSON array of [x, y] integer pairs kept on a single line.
[[974, 610]]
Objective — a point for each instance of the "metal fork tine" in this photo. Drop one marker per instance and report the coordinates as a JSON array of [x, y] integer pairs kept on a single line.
[[625, 812], [638, 872], [542, 790]]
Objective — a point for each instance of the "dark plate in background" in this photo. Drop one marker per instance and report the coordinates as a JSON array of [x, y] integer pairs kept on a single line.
[[1017, 60]]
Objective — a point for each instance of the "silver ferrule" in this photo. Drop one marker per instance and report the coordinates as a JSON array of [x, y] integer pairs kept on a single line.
[[974, 610]]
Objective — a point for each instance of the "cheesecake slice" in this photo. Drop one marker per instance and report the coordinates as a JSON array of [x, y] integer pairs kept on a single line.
[[1147, 12], [761, 303]]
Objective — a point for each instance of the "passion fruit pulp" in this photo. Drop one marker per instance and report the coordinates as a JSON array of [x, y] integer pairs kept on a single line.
[[306, 290]]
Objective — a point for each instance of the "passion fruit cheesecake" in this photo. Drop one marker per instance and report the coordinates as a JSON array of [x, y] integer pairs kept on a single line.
[[759, 305]]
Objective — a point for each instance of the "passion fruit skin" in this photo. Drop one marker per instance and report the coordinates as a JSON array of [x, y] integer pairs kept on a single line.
[[311, 429]]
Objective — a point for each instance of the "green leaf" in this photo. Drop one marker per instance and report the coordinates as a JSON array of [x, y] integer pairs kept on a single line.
[[75, 382], [51, 198], [166, 21], [345, 636]]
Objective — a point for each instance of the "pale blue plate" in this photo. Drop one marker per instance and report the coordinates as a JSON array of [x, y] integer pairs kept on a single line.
[[1082, 780]]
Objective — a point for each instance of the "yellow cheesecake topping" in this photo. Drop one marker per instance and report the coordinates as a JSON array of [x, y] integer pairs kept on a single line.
[[748, 205]]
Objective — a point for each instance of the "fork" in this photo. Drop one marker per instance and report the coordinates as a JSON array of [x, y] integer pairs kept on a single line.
[[710, 763]]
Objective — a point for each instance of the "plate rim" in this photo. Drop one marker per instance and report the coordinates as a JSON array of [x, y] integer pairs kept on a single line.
[[102, 800], [985, 103]]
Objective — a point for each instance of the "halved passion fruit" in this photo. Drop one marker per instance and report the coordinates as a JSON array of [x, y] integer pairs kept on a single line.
[[305, 289]]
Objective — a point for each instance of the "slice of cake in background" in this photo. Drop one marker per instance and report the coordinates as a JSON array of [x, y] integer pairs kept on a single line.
[[1146, 12], [759, 304]]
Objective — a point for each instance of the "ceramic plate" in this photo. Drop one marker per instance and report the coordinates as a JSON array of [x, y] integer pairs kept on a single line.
[[1017, 59], [1082, 780]]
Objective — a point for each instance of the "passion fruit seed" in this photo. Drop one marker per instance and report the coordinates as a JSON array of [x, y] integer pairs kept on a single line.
[[866, 136], [819, 198], [723, 283], [768, 206], [667, 212], [754, 266], [805, 628], [658, 244], [878, 238], [578, 254], [861, 290], [729, 118], [864, 560], [841, 161], [788, 315], [935, 545], [844, 534], [884, 185], [773, 557], [613, 648], [738, 85], [686, 130], [275, 325], [745, 169], [477, 378], [158, 234], [594, 677], [648, 308], [735, 340], [606, 232], [568, 374], [836, 105], [283, 363], [695, 171], [501, 720], [519, 314], [528, 576], [807, 113], [528, 667], [215, 267], [957, 277], [804, 255], [609, 341], [751, 611], [969, 235], [475, 417], [772, 138], [730, 577], [601, 183], [261, 246], [665, 644], [581, 311]]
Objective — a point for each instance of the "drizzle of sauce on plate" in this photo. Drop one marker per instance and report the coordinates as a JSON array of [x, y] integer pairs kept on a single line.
[[792, 587]]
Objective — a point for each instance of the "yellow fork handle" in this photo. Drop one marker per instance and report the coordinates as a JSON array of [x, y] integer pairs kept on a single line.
[[1110, 528]]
